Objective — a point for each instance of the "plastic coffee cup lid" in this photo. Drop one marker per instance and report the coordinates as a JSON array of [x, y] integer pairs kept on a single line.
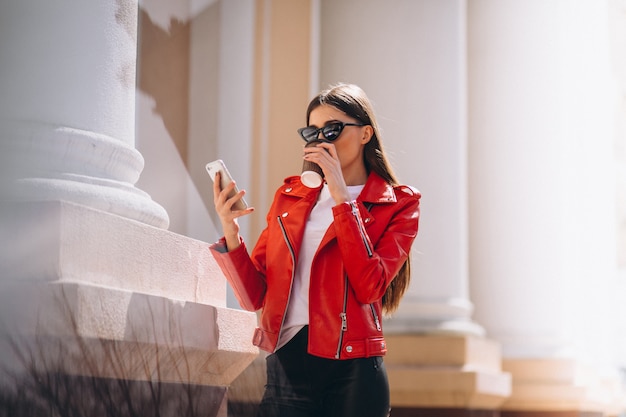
[[311, 179]]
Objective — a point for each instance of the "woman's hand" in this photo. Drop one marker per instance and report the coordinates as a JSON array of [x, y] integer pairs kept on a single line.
[[228, 217], [325, 155]]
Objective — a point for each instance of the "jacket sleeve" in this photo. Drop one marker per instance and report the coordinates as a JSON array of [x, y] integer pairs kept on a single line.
[[371, 269], [246, 278]]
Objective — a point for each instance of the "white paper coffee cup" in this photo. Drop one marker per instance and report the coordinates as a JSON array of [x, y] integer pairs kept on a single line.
[[311, 179]]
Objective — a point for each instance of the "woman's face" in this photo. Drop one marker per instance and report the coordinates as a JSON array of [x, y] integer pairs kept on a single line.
[[351, 141]]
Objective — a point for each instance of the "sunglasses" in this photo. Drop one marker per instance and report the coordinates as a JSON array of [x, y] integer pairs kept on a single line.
[[330, 132]]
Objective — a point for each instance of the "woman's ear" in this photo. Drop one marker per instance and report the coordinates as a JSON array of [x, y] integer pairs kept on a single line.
[[368, 132]]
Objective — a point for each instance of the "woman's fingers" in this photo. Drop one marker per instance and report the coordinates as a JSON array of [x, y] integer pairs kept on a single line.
[[330, 149], [325, 155], [320, 153], [224, 204]]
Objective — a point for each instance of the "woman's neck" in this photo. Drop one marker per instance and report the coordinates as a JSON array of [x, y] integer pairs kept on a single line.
[[357, 176]]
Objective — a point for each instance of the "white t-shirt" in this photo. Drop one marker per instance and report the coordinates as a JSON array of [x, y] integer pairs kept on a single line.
[[297, 315]]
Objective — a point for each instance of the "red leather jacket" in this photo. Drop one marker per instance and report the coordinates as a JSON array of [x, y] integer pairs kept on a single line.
[[359, 255]]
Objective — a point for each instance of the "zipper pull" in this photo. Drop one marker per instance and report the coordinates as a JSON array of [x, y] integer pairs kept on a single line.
[[378, 324], [344, 322], [376, 320]]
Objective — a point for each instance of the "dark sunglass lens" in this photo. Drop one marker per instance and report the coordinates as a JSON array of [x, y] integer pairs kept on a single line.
[[308, 133], [332, 131]]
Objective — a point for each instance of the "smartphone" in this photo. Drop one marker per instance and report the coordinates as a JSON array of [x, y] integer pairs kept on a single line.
[[219, 166]]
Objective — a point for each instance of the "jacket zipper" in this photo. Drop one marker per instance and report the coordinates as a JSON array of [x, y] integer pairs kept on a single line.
[[376, 320], [293, 271], [355, 212], [343, 316]]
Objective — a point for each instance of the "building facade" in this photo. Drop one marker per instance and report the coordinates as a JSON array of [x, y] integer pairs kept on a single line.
[[509, 116]]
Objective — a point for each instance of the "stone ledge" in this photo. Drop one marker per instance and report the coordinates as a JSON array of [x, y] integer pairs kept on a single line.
[[445, 371], [91, 293], [466, 352], [561, 385], [48, 241], [447, 388], [107, 333]]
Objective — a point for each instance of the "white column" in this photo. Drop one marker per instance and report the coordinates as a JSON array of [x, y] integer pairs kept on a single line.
[[541, 176], [67, 106], [542, 209], [415, 74], [82, 265]]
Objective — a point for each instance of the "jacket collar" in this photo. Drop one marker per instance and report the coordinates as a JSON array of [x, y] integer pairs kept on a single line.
[[376, 190]]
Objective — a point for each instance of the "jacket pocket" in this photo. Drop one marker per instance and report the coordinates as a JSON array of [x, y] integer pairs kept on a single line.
[[364, 348]]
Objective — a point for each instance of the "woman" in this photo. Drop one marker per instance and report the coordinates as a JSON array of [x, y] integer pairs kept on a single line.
[[331, 260]]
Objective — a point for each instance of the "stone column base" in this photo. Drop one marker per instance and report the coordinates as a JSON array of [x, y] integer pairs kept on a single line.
[[445, 375], [560, 388], [100, 332], [430, 376], [135, 312]]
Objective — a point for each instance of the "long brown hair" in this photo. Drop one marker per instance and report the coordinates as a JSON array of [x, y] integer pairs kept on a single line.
[[353, 101]]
